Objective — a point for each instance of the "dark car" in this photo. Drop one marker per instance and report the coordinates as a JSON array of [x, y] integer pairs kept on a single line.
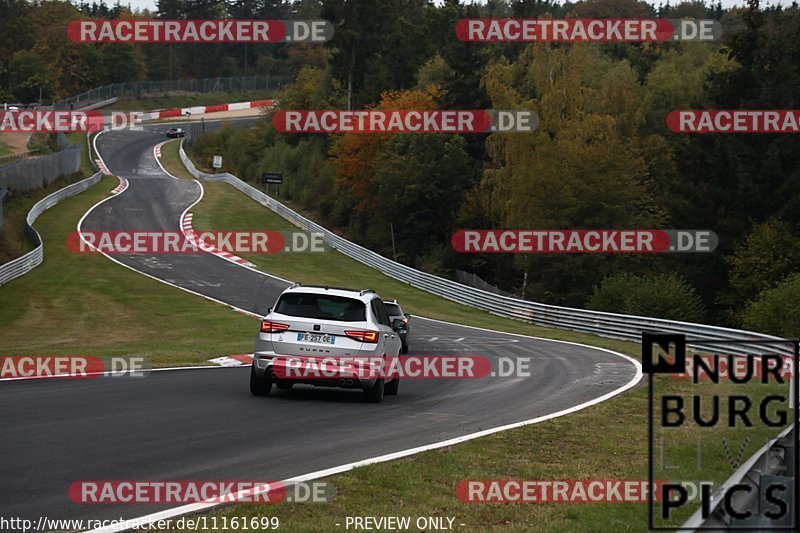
[[395, 311], [176, 132]]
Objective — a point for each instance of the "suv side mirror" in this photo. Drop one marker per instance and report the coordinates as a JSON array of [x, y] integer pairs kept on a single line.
[[407, 315], [398, 324]]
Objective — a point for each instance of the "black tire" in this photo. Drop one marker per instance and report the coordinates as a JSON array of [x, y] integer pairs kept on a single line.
[[259, 386], [375, 394], [391, 387], [404, 348]]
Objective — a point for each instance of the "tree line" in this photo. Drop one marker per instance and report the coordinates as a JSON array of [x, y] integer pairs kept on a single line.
[[602, 156], [39, 63]]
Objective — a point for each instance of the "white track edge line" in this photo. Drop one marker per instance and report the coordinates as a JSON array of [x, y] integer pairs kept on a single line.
[[158, 160], [203, 506]]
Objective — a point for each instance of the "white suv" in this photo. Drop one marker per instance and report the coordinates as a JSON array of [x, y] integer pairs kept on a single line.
[[317, 325]]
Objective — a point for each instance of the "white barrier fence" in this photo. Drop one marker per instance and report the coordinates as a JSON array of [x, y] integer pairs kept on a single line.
[[24, 264]]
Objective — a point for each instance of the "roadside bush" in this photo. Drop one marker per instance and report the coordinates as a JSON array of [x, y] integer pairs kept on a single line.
[[666, 296], [775, 311], [612, 292], [768, 254]]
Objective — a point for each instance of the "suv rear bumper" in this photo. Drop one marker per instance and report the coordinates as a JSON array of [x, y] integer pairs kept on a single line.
[[330, 376]]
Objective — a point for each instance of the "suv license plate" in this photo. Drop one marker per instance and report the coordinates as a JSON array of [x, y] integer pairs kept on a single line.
[[316, 337]]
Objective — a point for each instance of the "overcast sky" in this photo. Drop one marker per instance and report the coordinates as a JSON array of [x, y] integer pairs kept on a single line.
[[151, 4]]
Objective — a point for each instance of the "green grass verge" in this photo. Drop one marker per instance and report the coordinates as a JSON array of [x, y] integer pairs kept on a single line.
[[424, 485], [606, 441], [83, 304], [176, 100], [4, 149], [171, 159], [226, 209]]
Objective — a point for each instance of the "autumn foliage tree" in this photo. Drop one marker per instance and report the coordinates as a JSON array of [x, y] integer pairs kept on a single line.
[[414, 182]]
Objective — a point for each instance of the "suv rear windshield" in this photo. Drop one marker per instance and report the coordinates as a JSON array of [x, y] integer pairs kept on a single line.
[[321, 306], [394, 309]]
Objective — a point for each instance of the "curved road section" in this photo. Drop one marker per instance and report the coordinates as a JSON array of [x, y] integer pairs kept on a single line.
[[202, 424]]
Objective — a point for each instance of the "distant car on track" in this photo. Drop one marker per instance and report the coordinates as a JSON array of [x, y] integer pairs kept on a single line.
[[174, 133], [316, 325], [396, 312]]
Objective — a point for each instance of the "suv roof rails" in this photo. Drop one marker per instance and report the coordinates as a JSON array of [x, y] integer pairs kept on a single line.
[[365, 291], [326, 287]]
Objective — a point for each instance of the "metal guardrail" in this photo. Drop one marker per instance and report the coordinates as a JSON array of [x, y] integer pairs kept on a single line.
[[24, 264], [102, 103], [612, 325], [771, 460]]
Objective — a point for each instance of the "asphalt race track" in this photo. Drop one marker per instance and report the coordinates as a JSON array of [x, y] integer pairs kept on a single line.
[[203, 424]]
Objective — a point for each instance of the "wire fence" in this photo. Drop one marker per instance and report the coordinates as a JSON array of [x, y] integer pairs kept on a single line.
[[6, 159], [473, 280], [35, 173], [24, 264], [25, 174], [137, 89]]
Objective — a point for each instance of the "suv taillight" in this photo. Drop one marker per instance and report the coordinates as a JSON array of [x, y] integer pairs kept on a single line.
[[363, 336], [268, 326]]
